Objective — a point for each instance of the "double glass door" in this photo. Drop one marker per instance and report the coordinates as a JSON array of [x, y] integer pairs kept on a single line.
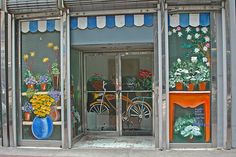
[[118, 93]]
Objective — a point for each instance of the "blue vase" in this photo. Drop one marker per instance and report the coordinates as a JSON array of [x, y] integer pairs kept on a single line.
[[42, 128]]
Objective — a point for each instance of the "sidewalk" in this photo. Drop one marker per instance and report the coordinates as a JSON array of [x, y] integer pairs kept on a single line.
[[33, 152]]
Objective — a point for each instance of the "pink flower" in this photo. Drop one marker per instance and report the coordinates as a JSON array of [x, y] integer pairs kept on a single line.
[[208, 45], [178, 28]]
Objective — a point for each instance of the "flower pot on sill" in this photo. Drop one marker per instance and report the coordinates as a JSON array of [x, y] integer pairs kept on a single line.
[[179, 86], [191, 86], [27, 116], [56, 81], [202, 86], [43, 86], [30, 86]]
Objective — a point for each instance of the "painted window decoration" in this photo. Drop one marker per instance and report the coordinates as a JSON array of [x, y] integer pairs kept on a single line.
[[190, 77], [40, 85]]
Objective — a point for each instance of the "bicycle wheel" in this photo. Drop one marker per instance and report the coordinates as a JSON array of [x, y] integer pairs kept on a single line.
[[98, 108], [140, 109]]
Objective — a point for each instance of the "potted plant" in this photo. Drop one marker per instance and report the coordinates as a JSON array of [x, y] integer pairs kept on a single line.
[[144, 81], [190, 78], [177, 73], [55, 95], [43, 81], [42, 126], [30, 82], [185, 127], [96, 81], [203, 76], [55, 76], [27, 109]]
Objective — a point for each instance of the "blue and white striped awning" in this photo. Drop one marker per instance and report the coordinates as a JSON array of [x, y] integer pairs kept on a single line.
[[40, 25], [185, 19], [111, 21]]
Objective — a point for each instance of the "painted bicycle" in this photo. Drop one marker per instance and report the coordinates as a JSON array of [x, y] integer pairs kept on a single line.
[[137, 107]]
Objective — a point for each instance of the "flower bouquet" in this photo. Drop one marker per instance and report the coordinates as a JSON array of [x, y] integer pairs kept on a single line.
[[42, 126], [41, 104]]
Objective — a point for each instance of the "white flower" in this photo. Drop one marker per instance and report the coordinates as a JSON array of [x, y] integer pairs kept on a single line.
[[205, 48], [204, 30], [180, 34], [207, 39], [194, 59], [196, 50], [189, 37], [188, 29], [197, 35], [169, 33], [208, 64], [185, 71], [197, 29], [204, 59], [179, 60], [174, 30]]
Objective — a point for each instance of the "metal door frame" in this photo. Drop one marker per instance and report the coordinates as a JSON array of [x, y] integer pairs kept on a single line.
[[118, 92], [214, 97], [17, 113]]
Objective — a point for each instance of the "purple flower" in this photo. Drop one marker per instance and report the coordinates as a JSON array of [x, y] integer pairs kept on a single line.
[[30, 80], [55, 95], [27, 107], [43, 79]]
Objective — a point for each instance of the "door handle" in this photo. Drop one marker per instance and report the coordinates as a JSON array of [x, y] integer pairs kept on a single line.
[[118, 91]]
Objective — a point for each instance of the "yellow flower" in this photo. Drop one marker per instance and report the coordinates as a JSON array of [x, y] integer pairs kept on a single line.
[[45, 60], [50, 45], [32, 53], [26, 57], [55, 48]]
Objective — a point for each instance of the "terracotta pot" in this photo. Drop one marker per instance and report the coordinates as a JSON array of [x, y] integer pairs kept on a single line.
[[191, 86], [54, 114], [43, 86], [202, 86], [30, 86], [179, 86], [56, 81], [27, 116]]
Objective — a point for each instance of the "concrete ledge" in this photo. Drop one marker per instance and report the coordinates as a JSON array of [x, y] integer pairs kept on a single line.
[[36, 152]]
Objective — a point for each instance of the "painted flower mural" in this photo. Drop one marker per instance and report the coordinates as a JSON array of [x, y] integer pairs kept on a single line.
[[193, 66]]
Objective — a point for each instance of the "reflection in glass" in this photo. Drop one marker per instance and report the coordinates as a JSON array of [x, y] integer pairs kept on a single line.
[[136, 72], [137, 113], [101, 103], [101, 111]]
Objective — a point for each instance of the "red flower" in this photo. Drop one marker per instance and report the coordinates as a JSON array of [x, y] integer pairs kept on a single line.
[[143, 74]]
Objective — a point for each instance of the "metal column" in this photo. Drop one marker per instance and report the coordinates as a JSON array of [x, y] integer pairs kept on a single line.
[[232, 13]]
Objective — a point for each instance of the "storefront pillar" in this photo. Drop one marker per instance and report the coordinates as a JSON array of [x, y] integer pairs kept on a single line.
[[232, 13], [3, 79]]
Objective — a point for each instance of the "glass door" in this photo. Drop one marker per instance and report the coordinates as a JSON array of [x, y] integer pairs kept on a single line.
[[136, 77], [100, 92], [118, 90]]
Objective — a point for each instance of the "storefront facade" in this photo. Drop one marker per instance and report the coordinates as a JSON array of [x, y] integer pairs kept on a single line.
[[143, 69]]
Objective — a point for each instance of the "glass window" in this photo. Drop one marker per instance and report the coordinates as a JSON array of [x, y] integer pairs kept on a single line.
[[190, 84], [40, 106]]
